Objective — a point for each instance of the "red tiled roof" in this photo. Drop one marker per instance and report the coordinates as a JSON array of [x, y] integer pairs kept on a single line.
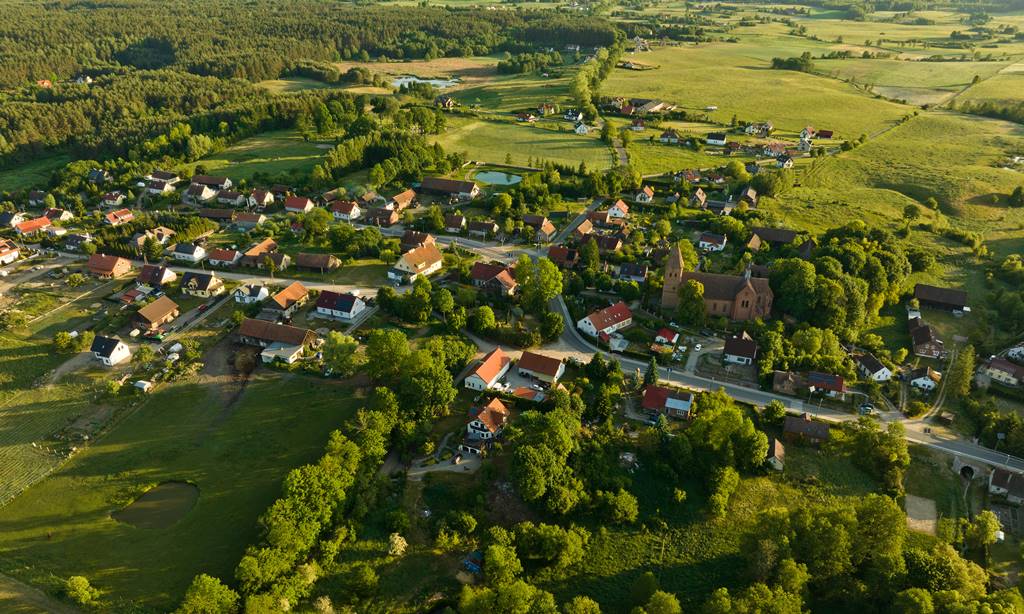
[[492, 365], [610, 316], [539, 363]]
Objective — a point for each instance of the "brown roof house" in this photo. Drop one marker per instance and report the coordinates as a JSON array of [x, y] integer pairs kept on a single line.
[[453, 188], [412, 239], [424, 260], [156, 314], [254, 255], [155, 276], [102, 265], [494, 277], [544, 230], [803, 428], [281, 343], [948, 299], [317, 262], [740, 350], [288, 300], [925, 340], [540, 367]]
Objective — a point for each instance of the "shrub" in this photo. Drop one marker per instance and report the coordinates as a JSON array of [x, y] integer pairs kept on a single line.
[[80, 591]]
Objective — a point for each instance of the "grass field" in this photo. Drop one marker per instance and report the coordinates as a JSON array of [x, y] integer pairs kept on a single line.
[[469, 71], [914, 81], [490, 141], [650, 158], [293, 84], [274, 153], [1006, 87], [507, 93], [737, 79], [32, 175], [235, 452]]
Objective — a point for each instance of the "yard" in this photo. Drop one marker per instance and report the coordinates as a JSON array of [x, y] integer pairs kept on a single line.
[[236, 450]]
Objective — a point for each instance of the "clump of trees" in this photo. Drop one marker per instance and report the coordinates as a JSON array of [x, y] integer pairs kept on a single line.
[[803, 63]]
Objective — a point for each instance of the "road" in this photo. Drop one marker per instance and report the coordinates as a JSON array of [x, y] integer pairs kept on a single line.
[[571, 226]]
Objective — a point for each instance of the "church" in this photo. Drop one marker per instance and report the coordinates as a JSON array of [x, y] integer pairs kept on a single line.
[[736, 297]]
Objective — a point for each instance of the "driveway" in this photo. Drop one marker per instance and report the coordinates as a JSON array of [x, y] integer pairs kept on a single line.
[[469, 464]]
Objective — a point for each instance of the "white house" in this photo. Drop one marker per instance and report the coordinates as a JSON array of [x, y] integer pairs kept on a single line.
[[740, 350], [250, 293], [188, 252], [109, 350], [223, 257], [581, 129], [423, 260], [345, 306], [645, 195], [298, 204], [489, 421], [540, 367], [346, 211], [872, 368], [712, 242], [607, 320], [619, 210], [9, 252], [1016, 353], [1008, 484], [490, 370], [716, 138], [925, 378]]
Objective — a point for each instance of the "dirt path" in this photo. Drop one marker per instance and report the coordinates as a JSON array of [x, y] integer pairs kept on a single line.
[[76, 362], [18, 598]]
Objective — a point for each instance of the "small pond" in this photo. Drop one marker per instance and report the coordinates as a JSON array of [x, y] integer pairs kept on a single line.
[[497, 178], [160, 507], [438, 83]]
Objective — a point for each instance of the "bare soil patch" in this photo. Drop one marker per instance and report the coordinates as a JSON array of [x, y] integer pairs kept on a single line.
[[160, 507], [921, 514], [469, 71]]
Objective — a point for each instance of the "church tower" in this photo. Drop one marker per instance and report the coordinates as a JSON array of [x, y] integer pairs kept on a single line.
[[673, 277]]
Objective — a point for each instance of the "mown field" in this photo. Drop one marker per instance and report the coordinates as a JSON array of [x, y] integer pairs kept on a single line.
[[235, 451], [274, 153], [32, 175], [656, 157], [917, 82], [1006, 87], [490, 141], [737, 79]]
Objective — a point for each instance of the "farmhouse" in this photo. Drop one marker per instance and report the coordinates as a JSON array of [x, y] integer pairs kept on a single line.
[[489, 421], [947, 299], [482, 229], [201, 284], [281, 342], [346, 210], [671, 403], [248, 221], [260, 199], [230, 197], [489, 372], [401, 201], [250, 293], [540, 367], [155, 276], [828, 384], [9, 252], [454, 223], [339, 305], [711, 242], [254, 255], [773, 237], [669, 136], [925, 378], [381, 217], [197, 194], [453, 188], [543, 228], [109, 350], [159, 312], [1003, 371], [740, 350], [924, 340], [645, 195], [101, 265], [289, 299], [217, 183], [870, 367], [317, 262], [606, 321], [119, 217], [298, 204], [223, 257], [804, 429], [424, 260], [716, 138], [630, 271]]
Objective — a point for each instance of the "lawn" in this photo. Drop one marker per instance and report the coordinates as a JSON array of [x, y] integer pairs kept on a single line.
[[737, 79], [31, 175], [282, 152], [650, 158], [236, 453], [491, 141]]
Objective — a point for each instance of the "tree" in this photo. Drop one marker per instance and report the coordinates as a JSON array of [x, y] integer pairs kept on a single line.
[[339, 352], [913, 601], [663, 603], [552, 326], [541, 281], [80, 591], [483, 320], [12, 318], [443, 301], [651, 374], [619, 507], [152, 249], [268, 263], [911, 213], [62, 341], [590, 256], [581, 604], [501, 565], [144, 355], [689, 253], [774, 412], [960, 373], [1016, 197], [386, 351], [208, 595], [982, 531], [644, 588], [74, 280], [397, 545], [691, 309]]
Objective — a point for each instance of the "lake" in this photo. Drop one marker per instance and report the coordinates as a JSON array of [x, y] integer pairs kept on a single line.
[[497, 178], [438, 83]]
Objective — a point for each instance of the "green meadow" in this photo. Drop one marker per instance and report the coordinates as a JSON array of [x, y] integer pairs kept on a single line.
[[273, 153]]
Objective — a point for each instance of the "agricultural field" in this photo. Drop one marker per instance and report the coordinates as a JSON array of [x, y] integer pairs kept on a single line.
[[729, 74], [35, 174], [490, 141], [277, 153], [509, 93], [917, 82], [1005, 87], [294, 84], [650, 158], [235, 446]]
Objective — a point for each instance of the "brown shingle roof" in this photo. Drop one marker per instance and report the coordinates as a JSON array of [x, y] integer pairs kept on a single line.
[[281, 333], [158, 310], [539, 363], [725, 287], [290, 295]]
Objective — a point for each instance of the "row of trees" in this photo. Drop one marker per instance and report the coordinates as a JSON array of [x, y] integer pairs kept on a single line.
[[589, 77]]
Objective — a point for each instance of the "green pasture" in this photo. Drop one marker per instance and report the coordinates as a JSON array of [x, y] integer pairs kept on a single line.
[[32, 175], [274, 153], [1005, 87]]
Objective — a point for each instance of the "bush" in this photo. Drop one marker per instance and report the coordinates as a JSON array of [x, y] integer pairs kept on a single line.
[[80, 591]]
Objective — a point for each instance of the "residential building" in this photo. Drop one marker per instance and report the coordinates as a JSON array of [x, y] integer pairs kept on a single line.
[[1003, 371], [401, 201], [155, 276], [804, 429], [250, 294], [10, 219], [317, 262], [248, 221], [188, 252], [345, 306], [666, 336], [255, 255], [544, 230], [787, 382], [215, 182], [659, 400], [201, 284], [413, 239], [289, 299], [424, 260], [454, 223], [482, 229], [489, 421], [381, 217], [716, 138], [562, 256], [645, 195], [740, 349], [280, 342], [230, 198], [925, 340], [9, 251], [606, 244], [453, 188], [540, 367], [1007, 484], [223, 257], [154, 315], [31, 227], [711, 242], [947, 299], [925, 378], [298, 204], [110, 351], [870, 367], [101, 265], [631, 271], [773, 237], [198, 194], [828, 384], [776, 455], [346, 210], [606, 321], [494, 277], [489, 372], [583, 229], [669, 136], [119, 217], [260, 199], [620, 210], [36, 198], [58, 215], [219, 215]]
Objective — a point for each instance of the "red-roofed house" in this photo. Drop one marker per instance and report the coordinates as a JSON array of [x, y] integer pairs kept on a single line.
[[121, 216], [489, 421], [490, 370], [666, 335], [645, 195], [607, 320], [345, 210], [298, 204], [620, 210], [662, 400], [223, 257], [30, 227], [541, 367]]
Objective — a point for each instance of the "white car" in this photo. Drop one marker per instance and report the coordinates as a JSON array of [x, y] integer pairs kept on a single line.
[[698, 347]]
